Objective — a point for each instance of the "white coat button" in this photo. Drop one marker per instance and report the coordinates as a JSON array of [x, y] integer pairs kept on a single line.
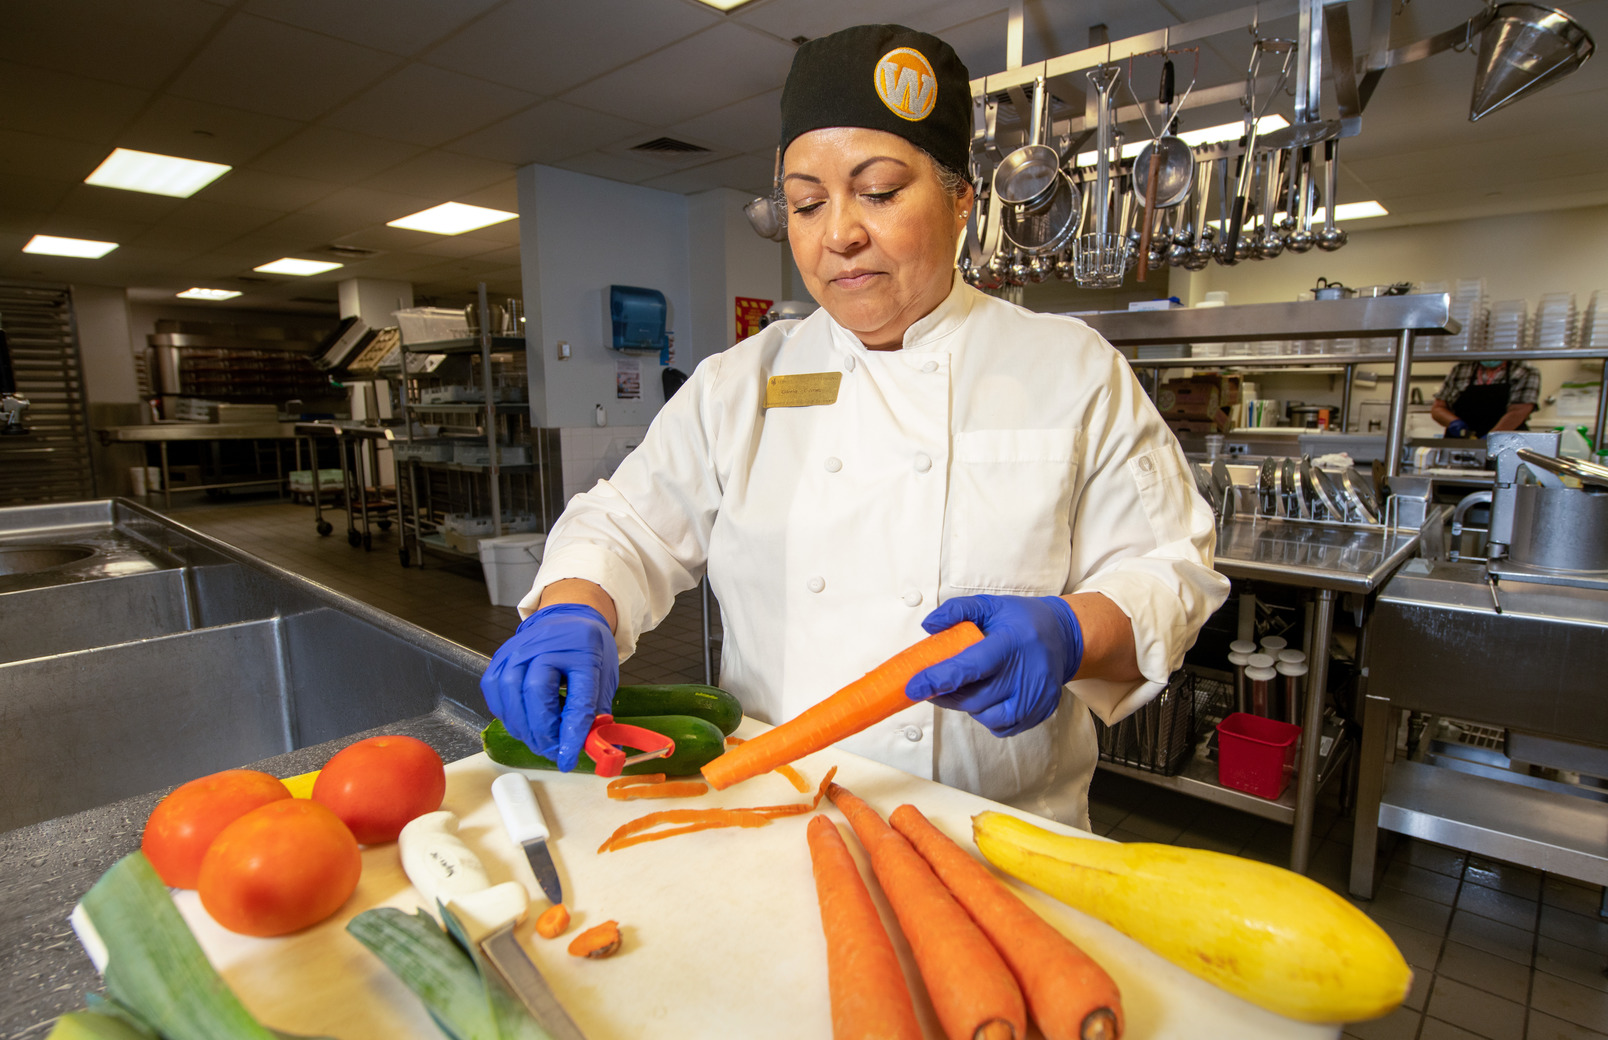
[[912, 733], [931, 366], [923, 463], [848, 363], [816, 584], [1144, 464], [833, 465], [912, 598]]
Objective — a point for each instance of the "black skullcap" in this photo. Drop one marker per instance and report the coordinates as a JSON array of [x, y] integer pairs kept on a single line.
[[884, 77]]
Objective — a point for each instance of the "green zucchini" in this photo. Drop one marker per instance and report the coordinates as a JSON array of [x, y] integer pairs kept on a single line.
[[704, 702], [698, 741]]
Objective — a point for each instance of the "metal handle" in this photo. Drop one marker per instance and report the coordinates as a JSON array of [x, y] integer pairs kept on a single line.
[[1585, 472]]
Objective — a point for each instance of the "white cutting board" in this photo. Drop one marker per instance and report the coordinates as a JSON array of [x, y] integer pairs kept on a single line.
[[722, 936]]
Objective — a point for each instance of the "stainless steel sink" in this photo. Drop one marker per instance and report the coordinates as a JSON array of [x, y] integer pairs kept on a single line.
[[153, 654], [29, 559]]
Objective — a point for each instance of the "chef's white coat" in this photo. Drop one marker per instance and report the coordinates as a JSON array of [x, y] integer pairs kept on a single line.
[[1000, 451]]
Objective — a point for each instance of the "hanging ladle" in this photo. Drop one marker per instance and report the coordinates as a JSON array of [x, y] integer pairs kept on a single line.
[[1331, 237], [1262, 46]]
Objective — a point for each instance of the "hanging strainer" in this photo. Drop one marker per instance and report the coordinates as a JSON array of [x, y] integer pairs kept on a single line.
[[1098, 261]]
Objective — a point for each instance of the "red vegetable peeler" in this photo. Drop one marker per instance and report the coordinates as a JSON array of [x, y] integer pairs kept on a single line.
[[606, 737]]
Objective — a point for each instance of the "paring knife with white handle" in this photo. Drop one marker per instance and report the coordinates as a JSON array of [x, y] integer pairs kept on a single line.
[[522, 818], [444, 869]]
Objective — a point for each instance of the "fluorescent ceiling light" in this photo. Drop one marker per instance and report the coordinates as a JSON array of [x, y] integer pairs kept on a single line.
[[1196, 138], [156, 174], [50, 245], [207, 294], [1346, 211], [723, 5], [301, 268], [451, 218]]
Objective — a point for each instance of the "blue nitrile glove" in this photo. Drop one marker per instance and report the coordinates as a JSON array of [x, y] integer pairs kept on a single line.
[[1456, 428], [566, 644], [1011, 681]]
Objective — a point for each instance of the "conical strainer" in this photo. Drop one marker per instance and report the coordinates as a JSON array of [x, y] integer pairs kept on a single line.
[[1523, 48]]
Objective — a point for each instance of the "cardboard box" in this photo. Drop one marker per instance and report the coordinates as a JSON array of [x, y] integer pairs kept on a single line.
[[1218, 423]]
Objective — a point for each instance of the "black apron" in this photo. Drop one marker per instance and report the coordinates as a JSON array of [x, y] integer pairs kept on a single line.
[[1483, 405]]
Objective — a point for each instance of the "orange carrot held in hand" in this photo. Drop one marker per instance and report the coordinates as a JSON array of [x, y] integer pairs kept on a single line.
[[972, 990], [875, 696], [1071, 997], [870, 1000]]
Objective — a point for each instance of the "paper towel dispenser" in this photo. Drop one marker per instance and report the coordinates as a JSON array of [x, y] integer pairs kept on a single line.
[[637, 319]]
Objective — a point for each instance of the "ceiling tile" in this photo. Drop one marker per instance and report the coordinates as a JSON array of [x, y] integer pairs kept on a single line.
[[425, 105], [732, 63], [404, 26], [184, 241], [312, 230], [269, 67], [507, 255], [744, 127], [613, 167], [18, 221], [325, 153], [38, 155], [748, 173], [392, 265], [39, 194], [54, 103], [548, 132], [456, 246], [139, 45], [87, 200], [199, 130], [361, 207], [220, 216], [502, 195], [266, 190], [441, 175], [545, 48]]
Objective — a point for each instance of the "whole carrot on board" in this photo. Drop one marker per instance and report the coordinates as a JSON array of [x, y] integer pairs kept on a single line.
[[1070, 996], [875, 696], [971, 988], [870, 1000]]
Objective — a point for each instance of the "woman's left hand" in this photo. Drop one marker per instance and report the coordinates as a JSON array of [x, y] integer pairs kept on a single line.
[[1011, 681]]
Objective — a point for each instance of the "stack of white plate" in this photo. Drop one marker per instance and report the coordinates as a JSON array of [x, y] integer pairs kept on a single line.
[[1555, 327], [1593, 334], [1468, 307], [1508, 329]]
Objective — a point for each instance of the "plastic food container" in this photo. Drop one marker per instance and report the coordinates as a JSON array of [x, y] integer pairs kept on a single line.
[[1256, 755]]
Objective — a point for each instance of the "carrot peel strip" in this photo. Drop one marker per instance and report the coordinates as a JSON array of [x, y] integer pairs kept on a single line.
[[793, 777], [631, 833], [622, 782], [678, 789], [875, 696]]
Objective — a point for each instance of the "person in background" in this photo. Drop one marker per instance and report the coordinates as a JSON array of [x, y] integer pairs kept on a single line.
[[912, 454], [1480, 396]]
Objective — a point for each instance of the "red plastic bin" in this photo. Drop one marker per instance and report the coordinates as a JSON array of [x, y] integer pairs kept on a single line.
[[1256, 755]]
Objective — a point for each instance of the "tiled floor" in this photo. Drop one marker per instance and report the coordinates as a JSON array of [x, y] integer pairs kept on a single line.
[[1499, 952]]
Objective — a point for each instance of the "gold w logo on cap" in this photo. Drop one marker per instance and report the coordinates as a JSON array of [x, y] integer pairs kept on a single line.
[[906, 83]]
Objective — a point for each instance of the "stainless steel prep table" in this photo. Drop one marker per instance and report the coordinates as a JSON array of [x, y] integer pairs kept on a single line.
[[164, 434], [354, 443], [1536, 668]]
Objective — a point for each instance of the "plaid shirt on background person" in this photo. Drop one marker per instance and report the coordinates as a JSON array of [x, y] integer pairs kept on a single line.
[[1525, 381]]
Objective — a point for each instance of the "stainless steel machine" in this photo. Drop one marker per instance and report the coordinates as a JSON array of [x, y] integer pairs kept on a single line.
[[1496, 667]]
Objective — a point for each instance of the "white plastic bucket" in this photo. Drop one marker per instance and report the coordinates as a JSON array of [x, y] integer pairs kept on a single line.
[[509, 564]]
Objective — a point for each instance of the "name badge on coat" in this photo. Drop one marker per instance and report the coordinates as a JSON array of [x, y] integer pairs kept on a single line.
[[802, 390]]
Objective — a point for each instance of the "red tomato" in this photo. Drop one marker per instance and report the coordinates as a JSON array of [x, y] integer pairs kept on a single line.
[[377, 785], [279, 869], [184, 823]]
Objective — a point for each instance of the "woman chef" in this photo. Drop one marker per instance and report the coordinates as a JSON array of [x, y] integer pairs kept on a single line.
[[913, 453]]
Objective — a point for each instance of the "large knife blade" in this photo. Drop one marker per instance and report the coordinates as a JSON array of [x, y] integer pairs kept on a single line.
[[444, 869], [522, 818]]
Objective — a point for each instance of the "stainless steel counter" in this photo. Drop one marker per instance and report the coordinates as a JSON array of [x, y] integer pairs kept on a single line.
[[163, 434], [162, 656], [1534, 669], [1312, 555]]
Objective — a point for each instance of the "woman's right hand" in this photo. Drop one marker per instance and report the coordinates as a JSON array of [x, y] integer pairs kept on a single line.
[[564, 645]]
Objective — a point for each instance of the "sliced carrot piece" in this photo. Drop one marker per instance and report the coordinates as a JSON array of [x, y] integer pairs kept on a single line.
[[793, 778], [553, 922], [598, 941]]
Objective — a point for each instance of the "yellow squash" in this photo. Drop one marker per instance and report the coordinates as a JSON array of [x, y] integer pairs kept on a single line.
[[1263, 933]]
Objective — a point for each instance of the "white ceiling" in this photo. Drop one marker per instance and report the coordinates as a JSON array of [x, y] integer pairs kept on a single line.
[[340, 116]]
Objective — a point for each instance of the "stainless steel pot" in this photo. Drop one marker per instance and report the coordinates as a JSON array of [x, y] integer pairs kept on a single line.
[[1560, 529]]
